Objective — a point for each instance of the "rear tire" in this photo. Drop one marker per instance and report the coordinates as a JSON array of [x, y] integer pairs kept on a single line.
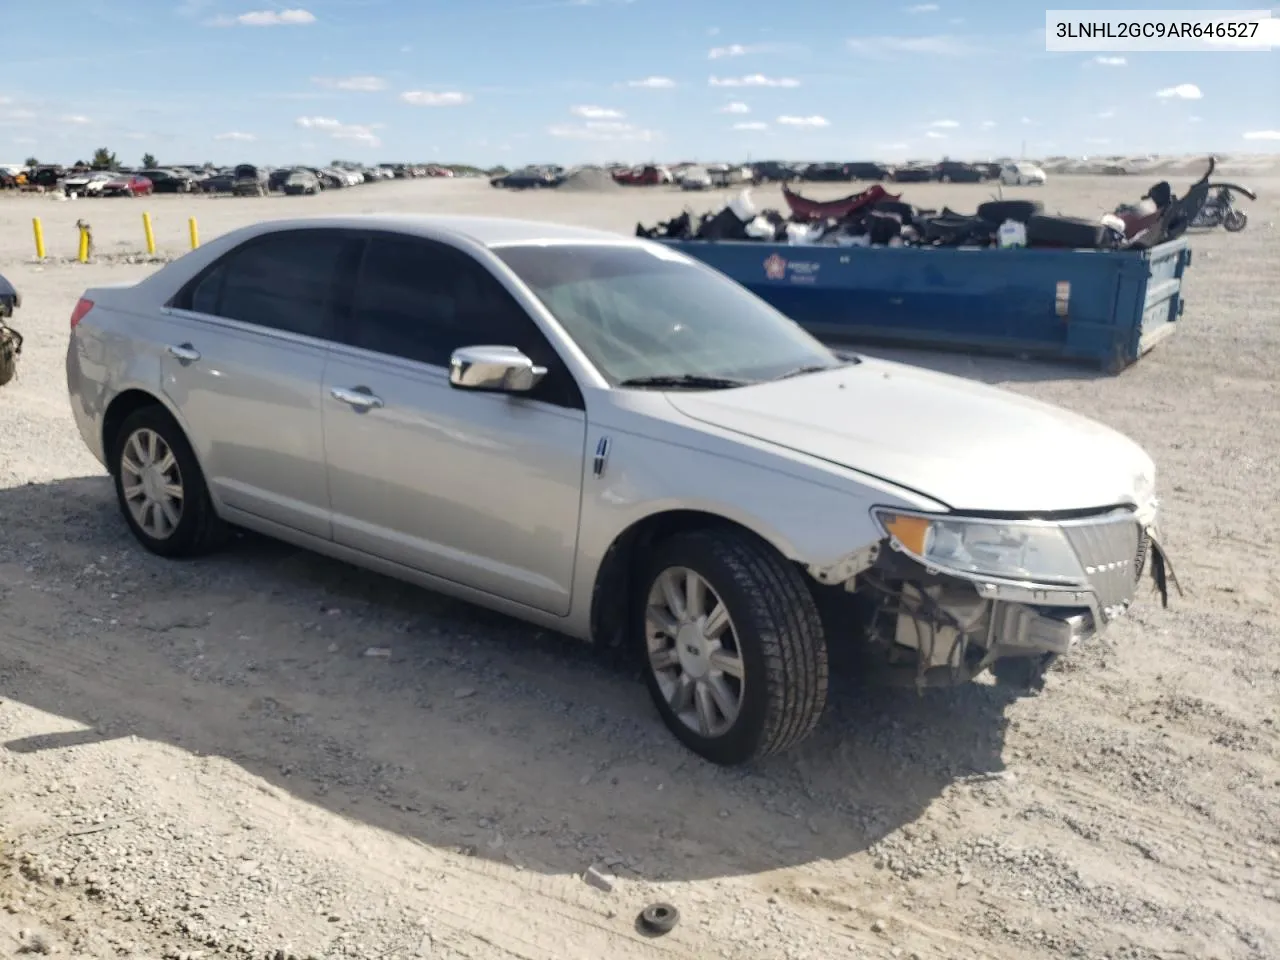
[[745, 665], [1235, 221], [160, 488]]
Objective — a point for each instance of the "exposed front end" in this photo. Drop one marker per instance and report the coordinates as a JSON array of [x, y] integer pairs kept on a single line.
[[941, 599]]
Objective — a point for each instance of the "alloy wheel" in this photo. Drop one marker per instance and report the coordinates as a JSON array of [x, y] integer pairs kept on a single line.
[[152, 483], [693, 652]]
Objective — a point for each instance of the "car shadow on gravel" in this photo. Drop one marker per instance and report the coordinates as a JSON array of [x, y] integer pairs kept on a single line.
[[434, 719]]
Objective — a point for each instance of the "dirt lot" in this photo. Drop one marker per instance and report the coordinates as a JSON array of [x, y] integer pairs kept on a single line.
[[200, 758]]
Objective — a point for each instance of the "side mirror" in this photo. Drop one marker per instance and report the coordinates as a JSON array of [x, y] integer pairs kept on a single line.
[[493, 369]]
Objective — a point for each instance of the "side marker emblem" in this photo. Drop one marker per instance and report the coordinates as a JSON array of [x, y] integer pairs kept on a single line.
[[601, 457]]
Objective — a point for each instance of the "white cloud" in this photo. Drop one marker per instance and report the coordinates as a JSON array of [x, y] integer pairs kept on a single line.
[[1194, 119], [1100, 141], [935, 135], [754, 80], [1027, 122], [751, 125], [266, 18], [360, 133], [941, 45], [653, 83], [597, 113], [1183, 91], [713, 31], [360, 84], [736, 107], [988, 124], [814, 121], [923, 8], [426, 98], [1262, 135], [1106, 114], [944, 124], [601, 131], [1110, 61], [236, 135], [732, 50], [77, 118]]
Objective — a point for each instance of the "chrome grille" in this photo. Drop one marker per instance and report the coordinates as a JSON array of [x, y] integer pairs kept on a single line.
[[1109, 550]]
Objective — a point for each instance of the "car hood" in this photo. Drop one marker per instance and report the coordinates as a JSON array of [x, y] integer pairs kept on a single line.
[[964, 444]]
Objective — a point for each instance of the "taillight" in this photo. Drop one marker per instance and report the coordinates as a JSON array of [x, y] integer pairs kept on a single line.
[[83, 306]]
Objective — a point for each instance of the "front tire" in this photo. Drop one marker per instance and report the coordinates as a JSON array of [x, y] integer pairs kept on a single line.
[[1235, 221], [160, 488], [734, 652]]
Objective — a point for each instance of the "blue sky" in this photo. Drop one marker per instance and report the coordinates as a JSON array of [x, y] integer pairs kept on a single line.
[[514, 81]]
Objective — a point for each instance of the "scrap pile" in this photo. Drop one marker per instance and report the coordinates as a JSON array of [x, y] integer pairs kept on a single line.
[[10, 339], [876, 218]]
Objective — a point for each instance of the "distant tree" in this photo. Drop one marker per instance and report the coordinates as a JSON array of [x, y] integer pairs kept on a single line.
[[104, 159], [32, 162], [148, 161], [82, 165]]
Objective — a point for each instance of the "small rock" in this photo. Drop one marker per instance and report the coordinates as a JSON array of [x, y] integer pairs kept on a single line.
[[463, 692], [379, 653], [595, 878], [877, 926]]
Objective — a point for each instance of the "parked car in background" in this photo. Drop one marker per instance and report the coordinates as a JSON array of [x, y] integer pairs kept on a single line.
[[773, 171], [642, 176], [695, 178], [301, 181], [277, 177], [1021, 173], [222, 181], [868, 171], [169, 181], [78, 184], [953, 171], [913, 173], [526, 178], [249, 181], [825, 172], [607, 438], [127, 185]]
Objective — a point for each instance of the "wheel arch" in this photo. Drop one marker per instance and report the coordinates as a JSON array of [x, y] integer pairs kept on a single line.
[[613, 579], [121, 407]]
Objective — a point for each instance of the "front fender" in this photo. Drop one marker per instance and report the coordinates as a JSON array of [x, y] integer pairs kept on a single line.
[[811, 516]]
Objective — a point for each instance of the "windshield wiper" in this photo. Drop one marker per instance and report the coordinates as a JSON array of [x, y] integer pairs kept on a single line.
[[817, 368], [683, 380]]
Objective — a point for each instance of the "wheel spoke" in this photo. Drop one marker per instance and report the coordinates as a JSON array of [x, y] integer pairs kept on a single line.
[[170, 513], [167, 462], [152, 441], [664, 659], [694, 595], [726, 700], [671, 594], [133, 491], [174, 491], [728, 662], [661, 620], [716, 622], [135, 452], [680, 699], [706, 708]]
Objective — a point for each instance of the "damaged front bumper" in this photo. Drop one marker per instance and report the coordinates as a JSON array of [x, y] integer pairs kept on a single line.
[[929, 626]]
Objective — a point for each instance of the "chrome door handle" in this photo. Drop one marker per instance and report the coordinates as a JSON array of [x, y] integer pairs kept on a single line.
[[358, 397], [184, 352]]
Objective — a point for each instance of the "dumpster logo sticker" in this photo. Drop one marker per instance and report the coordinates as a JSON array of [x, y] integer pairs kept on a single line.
[[775, 268]]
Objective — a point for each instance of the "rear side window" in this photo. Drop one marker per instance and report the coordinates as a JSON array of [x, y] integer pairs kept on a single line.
[[286, 281]]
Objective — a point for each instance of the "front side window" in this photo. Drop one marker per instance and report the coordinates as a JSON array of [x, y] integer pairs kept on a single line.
[[639, 313]]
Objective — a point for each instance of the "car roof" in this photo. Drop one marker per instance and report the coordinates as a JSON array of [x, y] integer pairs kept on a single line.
[[487, 231]]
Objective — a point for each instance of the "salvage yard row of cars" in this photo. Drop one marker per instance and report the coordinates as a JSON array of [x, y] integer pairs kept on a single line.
[[693, 176], [242, 179]]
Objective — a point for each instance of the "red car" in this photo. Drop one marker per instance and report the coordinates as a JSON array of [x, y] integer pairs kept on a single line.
[[639, 176], [127, 185]]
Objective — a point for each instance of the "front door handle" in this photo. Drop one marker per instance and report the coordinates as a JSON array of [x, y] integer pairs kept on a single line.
[[184, 352], [358, 397]]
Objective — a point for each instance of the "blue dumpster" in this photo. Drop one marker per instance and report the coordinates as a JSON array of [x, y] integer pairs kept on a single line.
[[1107, 307]]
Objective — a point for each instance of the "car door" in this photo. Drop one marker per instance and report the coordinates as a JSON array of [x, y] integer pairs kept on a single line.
[[244, 368], [479, 489]]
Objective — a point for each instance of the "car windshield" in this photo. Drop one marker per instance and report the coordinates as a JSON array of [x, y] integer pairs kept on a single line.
[[645, 313]]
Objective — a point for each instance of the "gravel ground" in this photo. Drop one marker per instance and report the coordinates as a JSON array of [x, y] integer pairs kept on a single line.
[[203, 758]]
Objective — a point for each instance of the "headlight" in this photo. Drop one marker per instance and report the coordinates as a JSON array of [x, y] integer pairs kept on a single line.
[[1027, 551]]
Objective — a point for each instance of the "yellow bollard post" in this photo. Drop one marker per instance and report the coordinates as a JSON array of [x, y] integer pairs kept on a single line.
[[38, 229], [83, 255], [195, 232], [149, 233]]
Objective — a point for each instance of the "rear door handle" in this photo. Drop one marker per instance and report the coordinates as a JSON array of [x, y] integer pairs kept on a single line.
[[184, 352], [358, 397]]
